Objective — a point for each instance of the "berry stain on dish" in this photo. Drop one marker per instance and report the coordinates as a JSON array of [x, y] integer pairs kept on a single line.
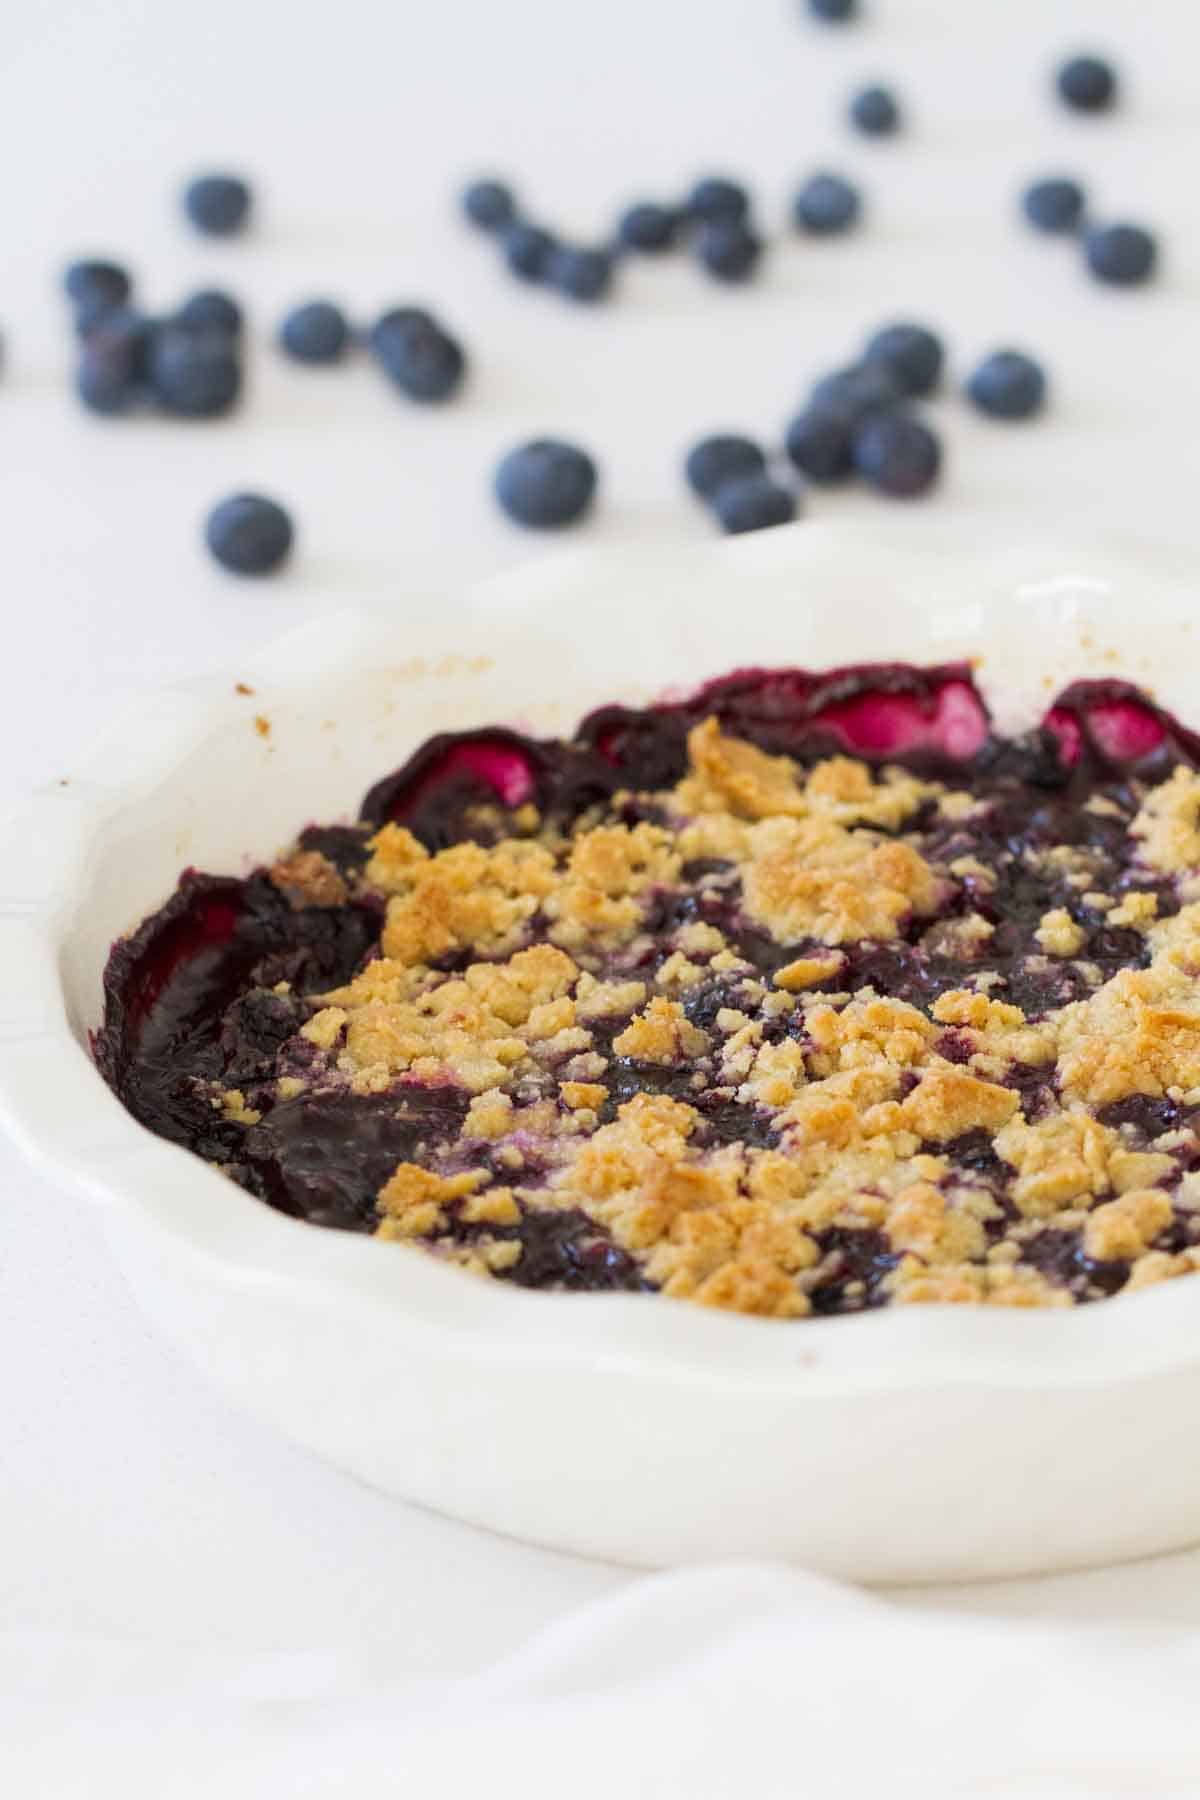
[[808, 994]]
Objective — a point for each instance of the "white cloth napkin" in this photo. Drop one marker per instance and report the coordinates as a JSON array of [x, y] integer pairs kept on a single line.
[[740, 1680]]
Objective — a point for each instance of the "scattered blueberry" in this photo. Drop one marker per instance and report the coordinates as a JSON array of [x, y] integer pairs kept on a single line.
[[489, 204], [316, 332], [912, 355], [217, 204], [92, 280], [210, 308], [729, 249], [527, 250], [95, 288], [874, 110], [826, 204], [648, 226], [1121, 254], [248, 534], [194, 374], [1087, 83], [108, 378], [421, 359], [1055, 204], [716, 460], [580, 274], [1007, 385], [752, 502], [853, 394], [833, 12], [820, 445], [545, 483], [897, 454], [716, 199]]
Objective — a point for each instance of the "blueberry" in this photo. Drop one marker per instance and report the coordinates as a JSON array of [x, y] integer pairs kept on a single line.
[[833, 12], [1054, 204], [1007, 385], [194, 374], [217, 204], [648, 226], [826, 204], [211, 309], [527, 250], [820, 445], [580, 274], [874, 110], [489, 204], [729, 249], [316, 332], [545, 483], [94, 288], [853, 394], [716, 460], [911, 354], [897, 454], [108, 378], [1087, 83], [715, 199], [1121, 254], [752, 502], [415, 353], [248, 534]]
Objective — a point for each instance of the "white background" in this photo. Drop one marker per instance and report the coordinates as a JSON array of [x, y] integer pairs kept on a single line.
[[132, 1501]]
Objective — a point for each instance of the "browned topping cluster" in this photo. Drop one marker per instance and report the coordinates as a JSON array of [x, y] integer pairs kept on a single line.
[[568, 969]]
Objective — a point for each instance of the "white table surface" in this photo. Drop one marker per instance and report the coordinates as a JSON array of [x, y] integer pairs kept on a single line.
[[133, 1500]]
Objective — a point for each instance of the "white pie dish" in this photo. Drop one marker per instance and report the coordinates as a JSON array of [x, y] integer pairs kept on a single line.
[[910, 1444]]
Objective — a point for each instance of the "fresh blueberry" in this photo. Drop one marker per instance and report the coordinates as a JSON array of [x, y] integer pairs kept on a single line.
[[194, 374], [92, 280], [1121, 254], [1087, 83], [217, 204], [108, 378], [826, 204], [1007, 385], [421, 359], [211, 309], [912, 355], [249, 534], [855, 393], [1055, 204], [489, 204], [897, 454], [545, 483], [820, 445], [580, 274], [527, 250], [752, 502], [833, 12], [716, 460], [874, 110], [648, 226], [729, 249], [393, 326], [715, 199], [95, 288], [316, 332]]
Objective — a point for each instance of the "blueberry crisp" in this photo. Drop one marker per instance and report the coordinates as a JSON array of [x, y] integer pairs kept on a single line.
[[807, 994]]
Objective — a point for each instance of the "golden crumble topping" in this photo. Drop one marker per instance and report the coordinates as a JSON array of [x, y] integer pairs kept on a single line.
[[778, 1036]]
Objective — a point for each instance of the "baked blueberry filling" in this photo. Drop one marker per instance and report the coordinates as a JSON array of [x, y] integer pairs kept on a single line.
[[806, 994]]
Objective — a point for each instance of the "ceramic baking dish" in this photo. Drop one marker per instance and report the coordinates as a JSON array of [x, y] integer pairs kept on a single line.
[[908, 1444]]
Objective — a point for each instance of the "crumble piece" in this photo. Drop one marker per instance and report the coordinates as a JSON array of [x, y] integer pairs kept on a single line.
[[1059, 935], [310, 879], [661, 1034], [1168, 823]]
